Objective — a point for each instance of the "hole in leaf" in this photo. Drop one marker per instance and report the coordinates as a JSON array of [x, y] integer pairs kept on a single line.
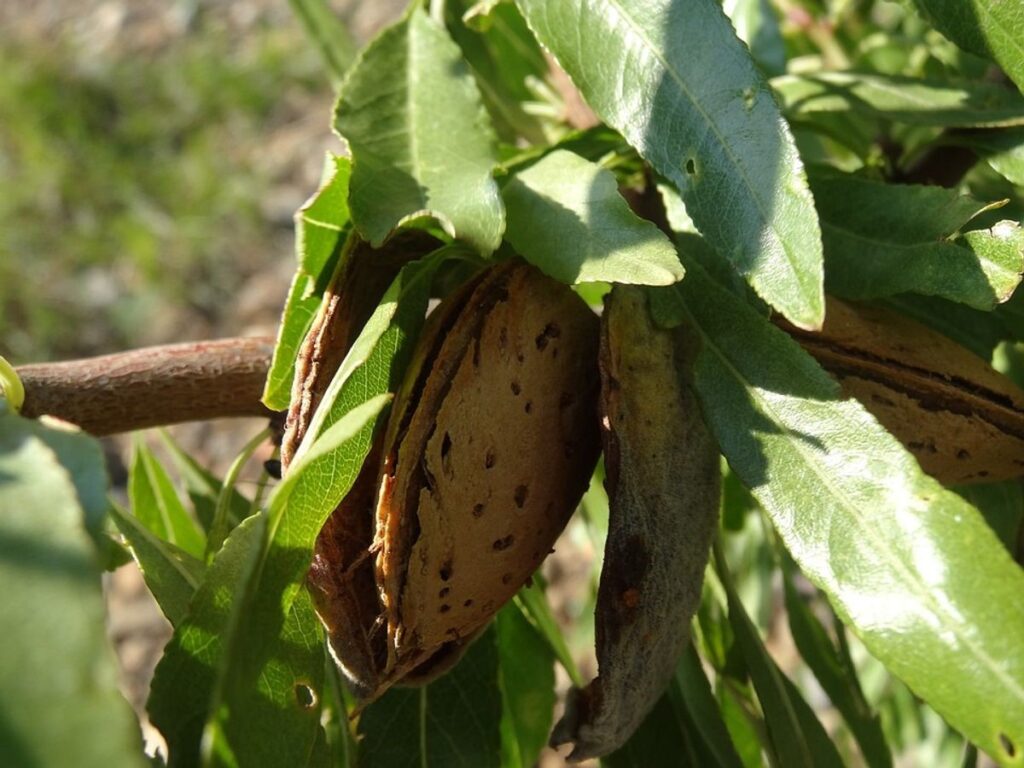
[[305, 697], [1007, 745], [691, 166]]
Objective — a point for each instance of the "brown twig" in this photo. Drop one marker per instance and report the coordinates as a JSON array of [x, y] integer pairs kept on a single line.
[[153, 386]]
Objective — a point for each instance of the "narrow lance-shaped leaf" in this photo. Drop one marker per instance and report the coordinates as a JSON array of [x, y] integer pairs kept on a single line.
[[155, 503], [420, 138], [901, 99], [797, 736], [526, 669], [171, 574], [676, 82], [320, 232], [988, 27], [757, 26], [910, 567], [58, 674], [454, 721], [837, 677], [885, 239], [566, 216], [1003, 150]]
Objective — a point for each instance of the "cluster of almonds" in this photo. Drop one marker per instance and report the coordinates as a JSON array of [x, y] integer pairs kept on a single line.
[[514, 389]]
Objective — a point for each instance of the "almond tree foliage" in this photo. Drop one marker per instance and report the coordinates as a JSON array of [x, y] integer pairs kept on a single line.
[[783, 183]]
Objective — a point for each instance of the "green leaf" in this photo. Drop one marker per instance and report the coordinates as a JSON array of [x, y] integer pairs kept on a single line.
[[527, 679], [320, 232], [659, 742], [1002, 505], [679, 86], [796, 734], [155, 503], [835, 675], [757, 26], [420, 138], [331, 37], [505, 59], [195, 659], [58, 674], [987, 27], [534, 606], [910, 567], [171, 574], [1003, 150], [945, 104], [203, 487], [885, 239], [453, 722], [566, 216], [691, 691]]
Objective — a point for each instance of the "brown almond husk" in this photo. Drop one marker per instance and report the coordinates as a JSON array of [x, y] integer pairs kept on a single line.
[[663, 482], [962, 420], [490, 448]]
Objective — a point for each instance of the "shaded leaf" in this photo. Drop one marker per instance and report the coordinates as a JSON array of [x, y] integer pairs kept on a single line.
[[454, 721], [835, 675], [420, 138], [527, 678], [320, 232], [1002, 505], [797, 736], [171, 574], [58, 674], [1002, 150], [696, 108], [659, 742], [979, 331], [885, 239], [691, 691], [155, 503], [988, 27], [534, 606], [909, 566], [566, 216], [946, 104]]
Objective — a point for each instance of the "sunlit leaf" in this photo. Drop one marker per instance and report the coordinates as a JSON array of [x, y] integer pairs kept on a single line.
[[420, 138], [911, 568], [320, 232], [566, 216], [901, 99], [695, 106], [885, 239], [987, 27], [155, 503]]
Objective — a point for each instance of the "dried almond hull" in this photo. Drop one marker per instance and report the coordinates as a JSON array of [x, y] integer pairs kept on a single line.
[[962, 420], [663, 485]]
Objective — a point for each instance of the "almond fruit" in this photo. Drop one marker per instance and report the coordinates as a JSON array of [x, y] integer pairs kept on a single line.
[[489, 448], [962, 420], [663, 487]]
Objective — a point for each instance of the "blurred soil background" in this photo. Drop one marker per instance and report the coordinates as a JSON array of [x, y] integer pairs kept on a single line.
[[152, 155]]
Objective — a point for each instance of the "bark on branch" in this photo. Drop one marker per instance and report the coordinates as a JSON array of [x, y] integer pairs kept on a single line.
[[152, 387]]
